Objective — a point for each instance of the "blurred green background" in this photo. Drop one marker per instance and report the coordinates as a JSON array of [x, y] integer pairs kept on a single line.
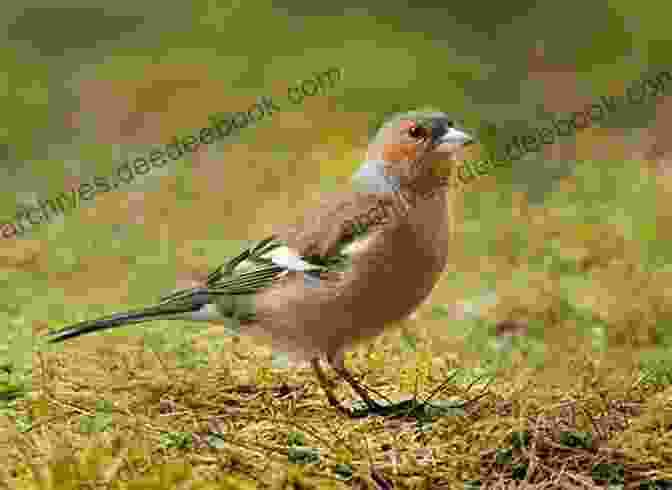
[[86, 84]]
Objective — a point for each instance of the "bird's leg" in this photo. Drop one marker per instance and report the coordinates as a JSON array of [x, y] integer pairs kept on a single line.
[[326, 386], [338, 363]]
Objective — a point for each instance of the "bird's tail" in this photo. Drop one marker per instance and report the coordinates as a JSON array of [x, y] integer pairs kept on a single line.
[[150, 313]]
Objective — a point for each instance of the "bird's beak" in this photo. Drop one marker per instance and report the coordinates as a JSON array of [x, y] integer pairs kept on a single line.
[[452, 140]]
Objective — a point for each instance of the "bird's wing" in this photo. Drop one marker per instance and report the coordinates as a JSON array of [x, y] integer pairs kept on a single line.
[[255, 268]]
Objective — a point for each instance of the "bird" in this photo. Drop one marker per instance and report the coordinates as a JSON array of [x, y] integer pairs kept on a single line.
[[335, 278]]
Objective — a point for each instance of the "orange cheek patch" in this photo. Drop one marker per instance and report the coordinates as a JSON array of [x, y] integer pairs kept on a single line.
[[398, 153]]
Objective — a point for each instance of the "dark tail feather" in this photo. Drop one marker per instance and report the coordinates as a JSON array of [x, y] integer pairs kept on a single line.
[[118, 319]]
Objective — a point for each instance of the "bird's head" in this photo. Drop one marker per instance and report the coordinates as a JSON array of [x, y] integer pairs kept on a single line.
[[414, 151]]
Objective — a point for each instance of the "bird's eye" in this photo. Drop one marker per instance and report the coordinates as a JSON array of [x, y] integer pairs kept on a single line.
[[418, 132]]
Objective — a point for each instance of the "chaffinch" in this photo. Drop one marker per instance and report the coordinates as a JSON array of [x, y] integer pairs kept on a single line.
[[322, 285]]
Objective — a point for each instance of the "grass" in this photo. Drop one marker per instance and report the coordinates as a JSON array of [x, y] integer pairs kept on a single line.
[[131, 415]]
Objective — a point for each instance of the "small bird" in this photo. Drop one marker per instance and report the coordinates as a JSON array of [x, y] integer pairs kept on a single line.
[[335, 278]]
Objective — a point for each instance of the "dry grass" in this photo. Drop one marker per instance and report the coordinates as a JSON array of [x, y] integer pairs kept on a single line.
[[120, 415]]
